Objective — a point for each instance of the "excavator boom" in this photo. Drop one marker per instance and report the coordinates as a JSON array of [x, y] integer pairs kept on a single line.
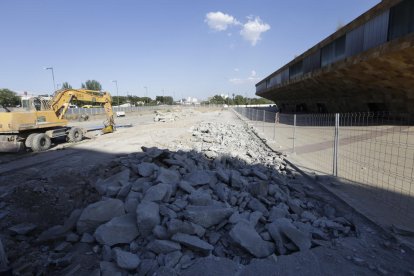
[[44, 120], [62, 98]]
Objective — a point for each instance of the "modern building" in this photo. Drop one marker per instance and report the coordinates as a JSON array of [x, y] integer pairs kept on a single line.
[[367, 65]]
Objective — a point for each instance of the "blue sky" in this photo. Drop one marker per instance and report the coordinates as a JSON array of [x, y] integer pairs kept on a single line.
[[184, 47]]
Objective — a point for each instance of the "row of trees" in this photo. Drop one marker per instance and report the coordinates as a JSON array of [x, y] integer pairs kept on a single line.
[[237, 100], [89, 85], [8, 98]]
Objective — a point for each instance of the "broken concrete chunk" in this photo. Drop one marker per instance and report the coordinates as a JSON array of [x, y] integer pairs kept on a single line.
[[124, 191], [23, 228], [148, 216], [158, 193], [246, 236], [207, 216], [160, 232], [163, 246], [295, 206], [193, 243], [259, 174], [171, 259], [223, 175], [200, 198], [115, 180], [126, 260], [186, 186], [286, 228], [99, 212], [255, 205], [178, 226], [118, 230], [236, 180], [199, 177], [168, 176], [146, 169]]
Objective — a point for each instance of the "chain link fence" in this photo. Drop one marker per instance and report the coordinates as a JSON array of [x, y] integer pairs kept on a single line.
[[99, 110], [372, 150]]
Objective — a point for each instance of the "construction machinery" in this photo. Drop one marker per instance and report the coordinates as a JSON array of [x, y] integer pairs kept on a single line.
[[40, 120]]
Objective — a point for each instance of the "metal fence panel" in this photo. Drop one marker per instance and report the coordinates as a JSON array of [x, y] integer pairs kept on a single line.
[[374, 150]]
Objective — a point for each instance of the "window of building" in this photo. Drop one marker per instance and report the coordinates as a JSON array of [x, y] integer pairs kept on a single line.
[[401, 19]]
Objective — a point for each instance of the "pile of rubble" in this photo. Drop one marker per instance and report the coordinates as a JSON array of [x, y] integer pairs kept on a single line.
[[163, 212], [169, 116]]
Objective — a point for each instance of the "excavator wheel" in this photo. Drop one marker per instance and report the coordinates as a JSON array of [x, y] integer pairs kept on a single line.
[[29, 140], [75, 135], [41, 142]]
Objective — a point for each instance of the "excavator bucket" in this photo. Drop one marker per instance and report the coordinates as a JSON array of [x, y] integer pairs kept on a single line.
[[108, 129]]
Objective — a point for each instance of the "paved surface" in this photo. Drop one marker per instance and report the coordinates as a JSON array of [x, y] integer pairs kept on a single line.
[[375, 164]]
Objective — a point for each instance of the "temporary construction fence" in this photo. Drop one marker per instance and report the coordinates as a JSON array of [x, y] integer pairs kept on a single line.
[[99, 110], [373, 150]]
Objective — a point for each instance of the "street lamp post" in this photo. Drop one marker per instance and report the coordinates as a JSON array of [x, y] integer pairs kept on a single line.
[[116, 84], [53, 77], [146, 93]]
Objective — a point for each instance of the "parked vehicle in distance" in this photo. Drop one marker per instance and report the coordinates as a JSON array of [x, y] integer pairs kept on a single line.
[[120, 114], [73, 106], [87, 106]]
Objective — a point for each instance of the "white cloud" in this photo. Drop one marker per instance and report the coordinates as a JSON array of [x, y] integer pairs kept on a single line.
[[219, 21], [252, 78], [236, 81], [253, 29], [236, 69]]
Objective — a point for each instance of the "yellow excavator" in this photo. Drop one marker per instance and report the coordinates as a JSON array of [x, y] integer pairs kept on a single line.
[[40, 120]]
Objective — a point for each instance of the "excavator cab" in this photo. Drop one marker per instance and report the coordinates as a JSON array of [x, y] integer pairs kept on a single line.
[[35, 103]]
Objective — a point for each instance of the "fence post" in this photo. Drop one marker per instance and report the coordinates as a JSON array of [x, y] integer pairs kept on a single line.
[[294, 132], [264, 120], [336, 144]]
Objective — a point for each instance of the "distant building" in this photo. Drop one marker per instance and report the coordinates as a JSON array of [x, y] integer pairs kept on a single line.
[[189, 101], [367, 65]]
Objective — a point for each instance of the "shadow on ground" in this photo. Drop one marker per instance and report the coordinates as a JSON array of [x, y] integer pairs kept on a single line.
[[242, 214]]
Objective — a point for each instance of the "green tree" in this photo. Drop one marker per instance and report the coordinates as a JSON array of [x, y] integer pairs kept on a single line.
[[92, 85], [165, 100], [217, 99], [8, 98], [239, 100], [66, 85]]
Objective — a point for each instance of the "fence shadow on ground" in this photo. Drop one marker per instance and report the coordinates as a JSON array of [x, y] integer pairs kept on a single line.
[[44, 184]]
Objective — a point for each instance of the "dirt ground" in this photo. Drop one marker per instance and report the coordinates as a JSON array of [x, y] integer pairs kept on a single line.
[[44, 189]]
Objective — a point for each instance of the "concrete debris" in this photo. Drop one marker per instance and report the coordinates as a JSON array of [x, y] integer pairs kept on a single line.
[[125, 259], [98, 213], [174, 115], [207, 216], [163, 246], [148, 216], [246, 236], [121, 229], [193, 242], [23, 228], [166, 211]]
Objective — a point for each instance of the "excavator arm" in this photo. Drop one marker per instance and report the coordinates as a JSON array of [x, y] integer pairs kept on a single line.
[[62, 98]]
